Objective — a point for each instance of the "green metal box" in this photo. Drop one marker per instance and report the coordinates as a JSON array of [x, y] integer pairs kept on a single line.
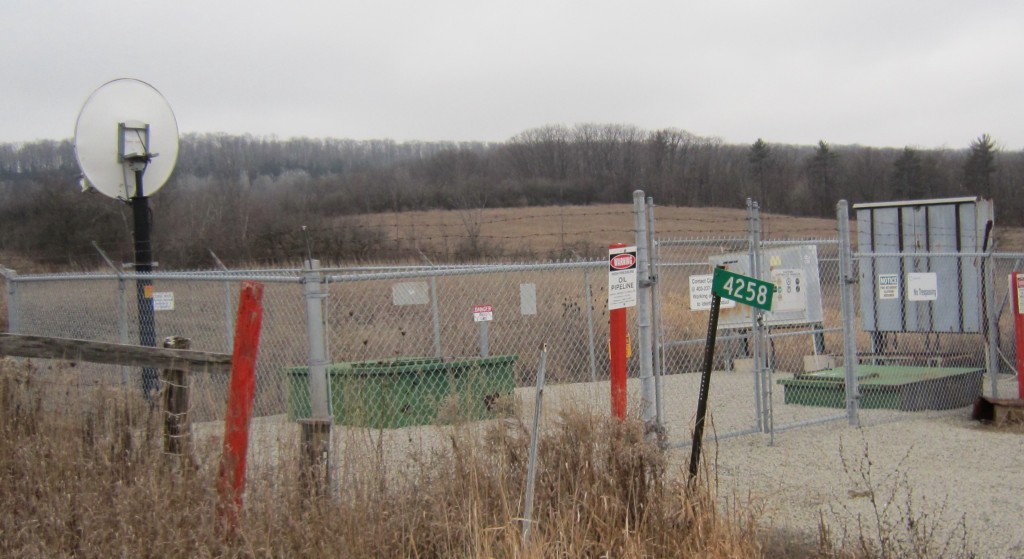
[[888, 387], [409, 391]]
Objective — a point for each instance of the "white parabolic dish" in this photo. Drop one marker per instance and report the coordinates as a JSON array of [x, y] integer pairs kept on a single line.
[[96, 137]]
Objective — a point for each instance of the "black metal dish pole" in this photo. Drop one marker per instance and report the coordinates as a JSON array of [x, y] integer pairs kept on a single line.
[[143, 285]]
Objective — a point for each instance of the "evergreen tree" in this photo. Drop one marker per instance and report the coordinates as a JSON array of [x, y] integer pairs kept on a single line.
[[979, 167], [821, 174], [760, 158], [907, 179]]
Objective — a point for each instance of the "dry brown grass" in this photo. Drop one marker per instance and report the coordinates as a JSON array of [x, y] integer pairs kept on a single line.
[[92, 481]]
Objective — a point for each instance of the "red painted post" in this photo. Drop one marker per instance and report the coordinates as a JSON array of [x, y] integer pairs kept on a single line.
[[1017, 287], [617, 355], [617, 326], [241, 391]]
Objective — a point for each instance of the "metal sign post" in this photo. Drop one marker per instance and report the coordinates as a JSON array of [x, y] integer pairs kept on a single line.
[[742, 289], [482, 315]]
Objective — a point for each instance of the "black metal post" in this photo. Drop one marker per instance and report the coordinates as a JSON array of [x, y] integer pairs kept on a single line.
[[144, 265], [705, 385]]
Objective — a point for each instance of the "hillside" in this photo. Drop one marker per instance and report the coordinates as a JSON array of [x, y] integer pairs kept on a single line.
[[585, 231]]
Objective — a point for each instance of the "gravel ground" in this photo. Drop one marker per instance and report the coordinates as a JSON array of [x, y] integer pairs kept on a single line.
[[948, 468]]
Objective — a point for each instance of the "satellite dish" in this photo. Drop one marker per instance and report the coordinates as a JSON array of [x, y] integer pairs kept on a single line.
[[124, 126]]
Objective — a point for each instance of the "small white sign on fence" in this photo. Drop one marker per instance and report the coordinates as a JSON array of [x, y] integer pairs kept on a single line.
[[1020, 293], [888, 286], [700, 294], [483, 313], [410, 293], [922, 286], [528, 299], [790, 289], [163, 301]]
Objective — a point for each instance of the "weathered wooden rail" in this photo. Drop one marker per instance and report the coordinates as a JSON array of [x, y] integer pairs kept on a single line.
[[175, 360], [41, 347]]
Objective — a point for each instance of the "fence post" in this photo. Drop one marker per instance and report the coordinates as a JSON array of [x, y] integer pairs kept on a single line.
[[754, 242], [229, 322], [176, 402], [12, 298], [846, 286], [655, 313], [648, 404], [591, 344], [531, 466], [435, 317], [122, 306], [992, 328], [316, 430]]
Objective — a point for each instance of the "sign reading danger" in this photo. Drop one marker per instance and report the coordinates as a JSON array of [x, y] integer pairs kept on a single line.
[[483, 313], [621, 277]]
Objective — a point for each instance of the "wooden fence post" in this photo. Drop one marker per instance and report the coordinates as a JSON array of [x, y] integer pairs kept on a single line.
[[176, 402], [314, 475]]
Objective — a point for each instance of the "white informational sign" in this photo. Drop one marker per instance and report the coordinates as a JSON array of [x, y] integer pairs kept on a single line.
[[621, 277], [163, 301], [1020, 294], [483, 313], [888, 286], [527, 299], [922, 286], [700, 294], [410, 293], [790, 289]]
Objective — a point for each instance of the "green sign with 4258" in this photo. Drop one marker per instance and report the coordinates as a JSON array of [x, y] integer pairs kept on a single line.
[[742, 289]]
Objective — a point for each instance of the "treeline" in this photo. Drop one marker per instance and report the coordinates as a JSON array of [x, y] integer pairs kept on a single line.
[[247, 198]]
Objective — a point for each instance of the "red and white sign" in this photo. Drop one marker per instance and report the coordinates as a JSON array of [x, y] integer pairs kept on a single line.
[[483, 313], [621, 277]]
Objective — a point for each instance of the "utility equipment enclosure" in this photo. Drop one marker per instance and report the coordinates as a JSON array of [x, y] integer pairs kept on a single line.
[[921, 268]]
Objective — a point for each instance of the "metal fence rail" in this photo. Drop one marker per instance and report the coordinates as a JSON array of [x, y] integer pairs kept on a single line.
[[406, 339], [370, 316]]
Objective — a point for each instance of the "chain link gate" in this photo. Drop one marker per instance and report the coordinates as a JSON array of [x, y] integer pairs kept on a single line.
[[758, 354]]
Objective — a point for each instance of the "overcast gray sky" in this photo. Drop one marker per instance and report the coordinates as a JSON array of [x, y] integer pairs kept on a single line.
[[872, 72]]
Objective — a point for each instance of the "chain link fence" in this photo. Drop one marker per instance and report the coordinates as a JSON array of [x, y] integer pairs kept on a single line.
[[381, 325], [406, 346]]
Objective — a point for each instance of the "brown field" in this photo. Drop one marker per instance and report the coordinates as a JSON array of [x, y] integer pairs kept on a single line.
[[553, 230]]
